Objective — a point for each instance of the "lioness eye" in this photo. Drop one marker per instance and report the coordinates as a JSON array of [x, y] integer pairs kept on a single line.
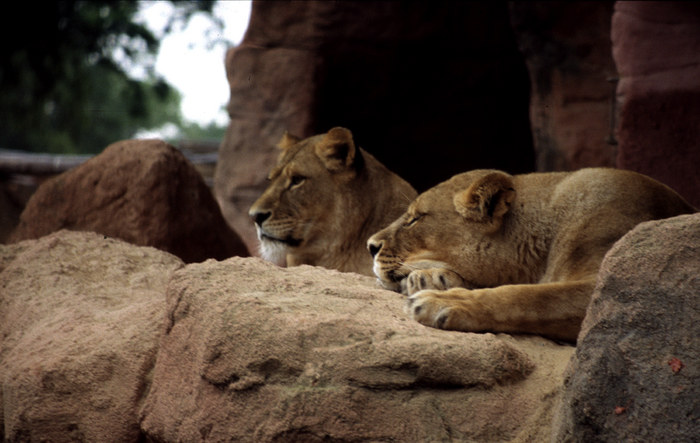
[[413, 220], [296, 180]]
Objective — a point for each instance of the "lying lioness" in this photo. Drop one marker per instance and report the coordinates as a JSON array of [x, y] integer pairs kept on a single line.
[[325, 198], [520, 252]]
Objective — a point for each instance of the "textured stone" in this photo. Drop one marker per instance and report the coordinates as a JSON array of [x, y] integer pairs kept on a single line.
[[80, 317], [656, 50], [141, 191], [253, 352], [635, 375], [245, 350]]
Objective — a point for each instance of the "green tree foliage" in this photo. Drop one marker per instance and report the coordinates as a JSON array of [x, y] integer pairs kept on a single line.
[[60, 87], [195, 131]]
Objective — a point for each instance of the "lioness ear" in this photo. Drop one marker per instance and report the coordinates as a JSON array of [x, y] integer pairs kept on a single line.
[[486, 200], [287, 141], [336, 149]]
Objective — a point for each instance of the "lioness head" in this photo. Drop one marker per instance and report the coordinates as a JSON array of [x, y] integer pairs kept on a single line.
[[451, 226], [325, 198], [303, 191]]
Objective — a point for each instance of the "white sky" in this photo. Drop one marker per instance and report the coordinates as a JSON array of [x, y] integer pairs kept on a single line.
[[186, 62]]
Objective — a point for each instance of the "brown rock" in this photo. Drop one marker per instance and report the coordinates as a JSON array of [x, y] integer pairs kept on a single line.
[[429, 88], [10, 209], [80, 317], [141, 191], [248, 351], [567, 51], [635, 375], [655, 46], [253, 352]]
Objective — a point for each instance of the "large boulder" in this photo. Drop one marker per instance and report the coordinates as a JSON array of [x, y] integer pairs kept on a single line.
[[80, 319], [244, 350], [655, 47], [635, 375], [253, 352], [141, 191]]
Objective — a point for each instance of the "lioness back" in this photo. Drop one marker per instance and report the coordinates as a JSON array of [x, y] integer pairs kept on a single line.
[[324, 200], [598, 206], [487, 251]]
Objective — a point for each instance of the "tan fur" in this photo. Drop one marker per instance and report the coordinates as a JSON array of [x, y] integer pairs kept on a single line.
[[325, 198], [486, 251]]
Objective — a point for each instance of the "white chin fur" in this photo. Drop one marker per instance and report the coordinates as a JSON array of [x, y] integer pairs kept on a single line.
[[376, 269], [391, 286], [274, 252]]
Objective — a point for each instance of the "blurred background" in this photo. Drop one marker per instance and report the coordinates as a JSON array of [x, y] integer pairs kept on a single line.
[[79, 75]]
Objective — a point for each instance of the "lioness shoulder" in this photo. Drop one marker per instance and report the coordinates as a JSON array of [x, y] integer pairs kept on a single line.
[[325, 198], [487, 251]]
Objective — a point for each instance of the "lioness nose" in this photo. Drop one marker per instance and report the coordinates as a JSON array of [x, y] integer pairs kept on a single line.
[[260, 217], [374, 246]]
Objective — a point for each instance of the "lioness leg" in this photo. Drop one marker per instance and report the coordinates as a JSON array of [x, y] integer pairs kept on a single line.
[[552, 310], [433, 278]]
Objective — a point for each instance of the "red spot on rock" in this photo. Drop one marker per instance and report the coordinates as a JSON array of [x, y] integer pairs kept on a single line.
[[676, 365]]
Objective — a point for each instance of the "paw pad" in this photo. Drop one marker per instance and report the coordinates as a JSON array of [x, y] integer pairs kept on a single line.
[[417, 310], [441, 318]]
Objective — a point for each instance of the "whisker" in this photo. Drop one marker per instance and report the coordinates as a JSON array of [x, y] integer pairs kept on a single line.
[[406, 197]]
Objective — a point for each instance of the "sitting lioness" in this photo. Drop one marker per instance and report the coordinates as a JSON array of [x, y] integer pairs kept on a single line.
[[521, 253], [325, 198]]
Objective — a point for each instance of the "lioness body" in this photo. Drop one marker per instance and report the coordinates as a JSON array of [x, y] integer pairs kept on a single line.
[[325, 198], [486, 251]]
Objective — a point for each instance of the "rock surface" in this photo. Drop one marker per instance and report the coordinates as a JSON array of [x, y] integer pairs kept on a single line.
[[635, 375], [141, 191], [80, 318], [656, 50], [251, 352], [244, 349]]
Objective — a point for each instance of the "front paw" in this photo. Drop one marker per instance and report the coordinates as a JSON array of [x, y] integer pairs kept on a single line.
[[436, 278], [427, 308], [450, 309]]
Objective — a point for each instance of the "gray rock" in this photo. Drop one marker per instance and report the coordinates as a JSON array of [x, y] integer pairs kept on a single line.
[[635, 375]]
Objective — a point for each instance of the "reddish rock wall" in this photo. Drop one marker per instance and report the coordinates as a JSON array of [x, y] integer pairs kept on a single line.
[[656, 46], [433, 89], [430, 88], [567, 49]]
